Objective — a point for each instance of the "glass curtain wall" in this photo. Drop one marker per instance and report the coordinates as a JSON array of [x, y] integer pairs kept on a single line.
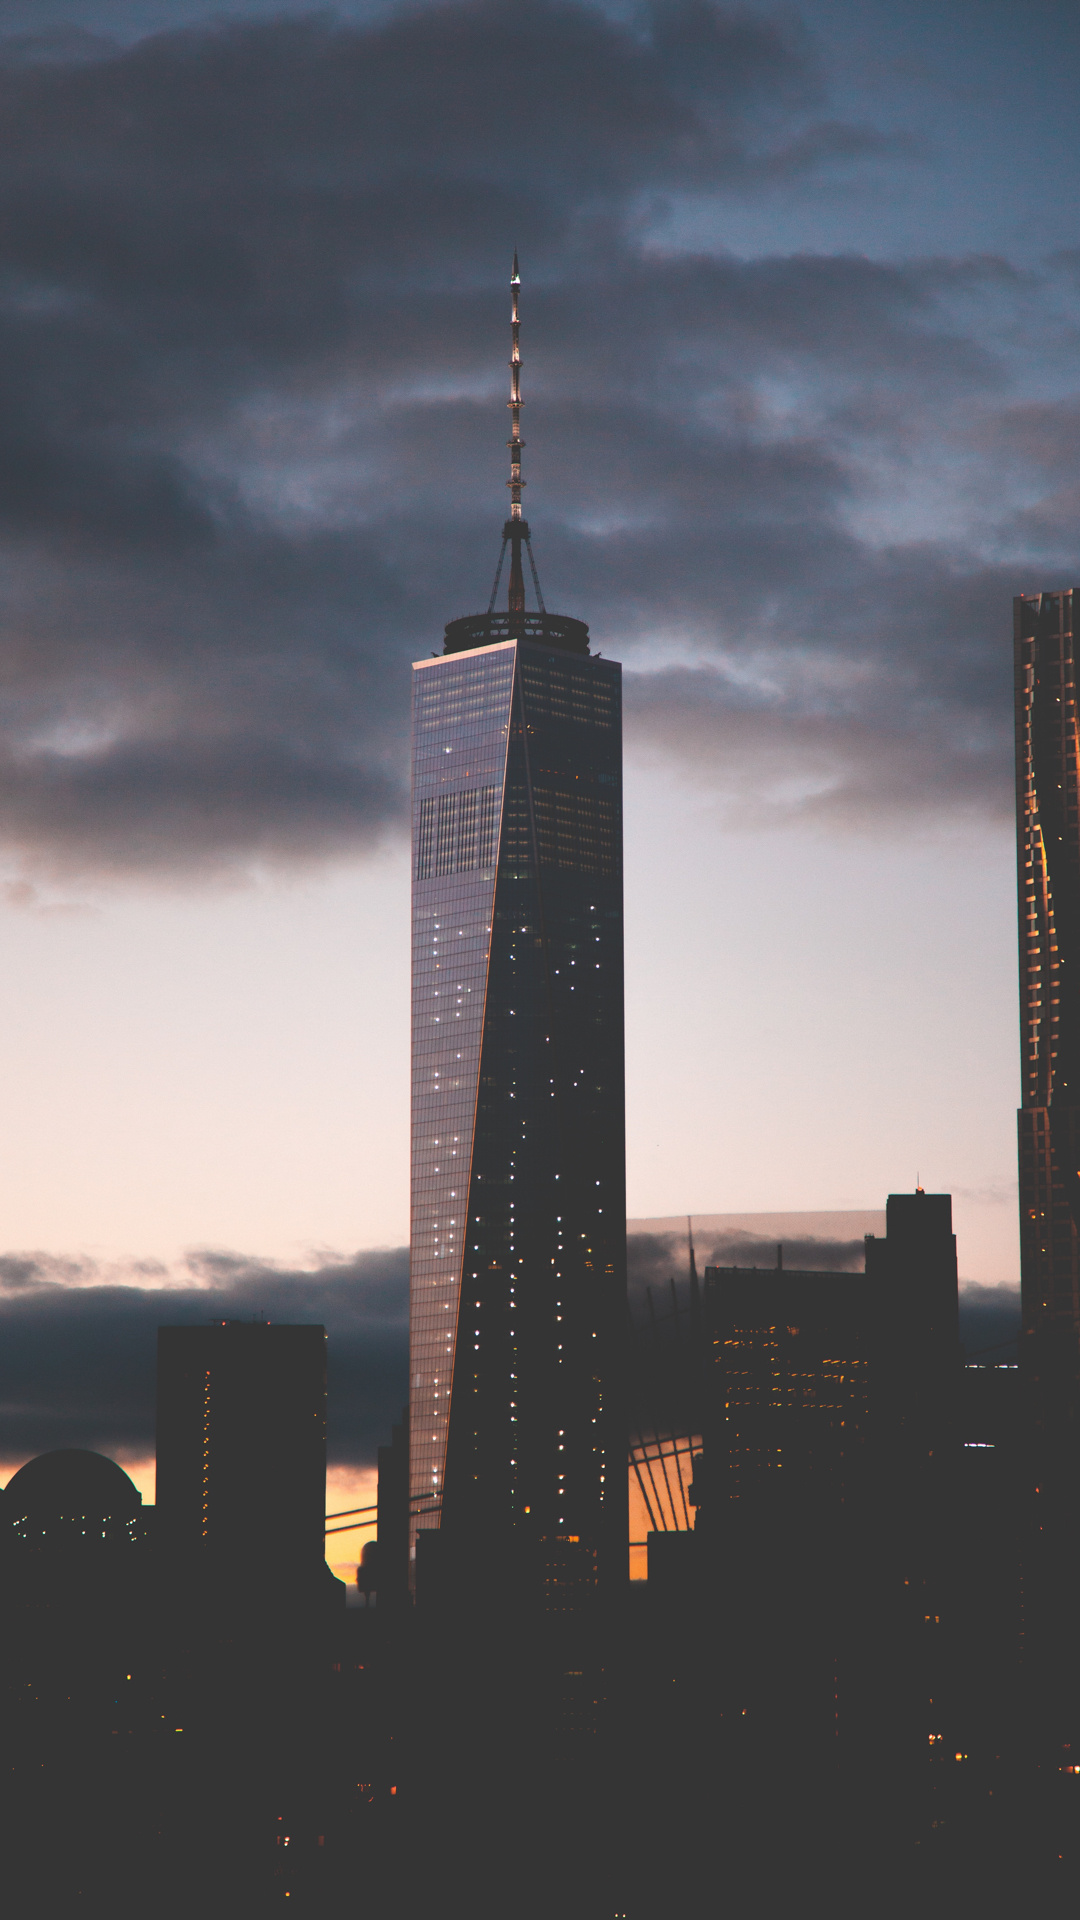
[[518, 1274], [461, 724]]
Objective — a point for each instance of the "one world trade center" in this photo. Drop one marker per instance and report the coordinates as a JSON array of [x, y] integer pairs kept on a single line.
[[518, 1228]]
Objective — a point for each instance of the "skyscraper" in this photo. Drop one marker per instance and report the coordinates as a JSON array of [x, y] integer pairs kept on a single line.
[[241, 1450], [1048, 873], [518, 1230]]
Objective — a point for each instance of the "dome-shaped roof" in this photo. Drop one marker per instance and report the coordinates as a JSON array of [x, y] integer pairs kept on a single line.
[[70, 1481]]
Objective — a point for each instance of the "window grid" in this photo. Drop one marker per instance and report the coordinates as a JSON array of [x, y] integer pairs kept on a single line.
[[461, 716]]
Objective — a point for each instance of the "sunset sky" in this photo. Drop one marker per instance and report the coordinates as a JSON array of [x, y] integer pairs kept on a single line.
[[801, 320]]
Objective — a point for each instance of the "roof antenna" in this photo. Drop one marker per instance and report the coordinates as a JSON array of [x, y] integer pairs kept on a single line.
[[919, 1188], [516, 528]]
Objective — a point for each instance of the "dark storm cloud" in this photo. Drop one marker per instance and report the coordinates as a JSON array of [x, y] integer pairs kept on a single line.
[[252, 332], [651, 1259], [65, 46], [654, 1259], [989, 1321], [810, 1253], [851, 734], [77, 1358], [989, 1315]]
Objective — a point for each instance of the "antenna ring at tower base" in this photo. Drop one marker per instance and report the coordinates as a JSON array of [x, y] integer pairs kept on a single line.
[[492, 629]]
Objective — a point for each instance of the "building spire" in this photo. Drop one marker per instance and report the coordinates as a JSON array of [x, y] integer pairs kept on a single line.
[[695, 1290], [515, 525], [516, 530], [515, 443]]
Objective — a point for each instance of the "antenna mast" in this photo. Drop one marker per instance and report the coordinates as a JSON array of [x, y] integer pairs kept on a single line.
[[515, 530], [515, 526]]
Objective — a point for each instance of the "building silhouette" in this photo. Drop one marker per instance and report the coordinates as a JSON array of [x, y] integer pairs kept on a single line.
[[517, 1307], [915, 1266], [241, 1451], [1048, 875], [392, 1556], [845, 1610], [808, 1390], [78, 1677], [70, 1501], [791, 1361]]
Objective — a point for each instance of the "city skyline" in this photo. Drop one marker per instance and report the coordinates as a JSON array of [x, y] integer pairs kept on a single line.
[[527, 1239], [825, 442]]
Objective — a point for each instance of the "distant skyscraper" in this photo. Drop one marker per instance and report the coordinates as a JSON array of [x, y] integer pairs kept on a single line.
[[790, 1376], [392, 1555], [241, 1449], [919, 1355], [1048, 871], [518, 1234]]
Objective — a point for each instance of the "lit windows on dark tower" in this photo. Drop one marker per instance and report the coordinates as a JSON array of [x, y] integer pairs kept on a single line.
[[518, 1232], [241, 1450], [518, 1224], [1048, 872]]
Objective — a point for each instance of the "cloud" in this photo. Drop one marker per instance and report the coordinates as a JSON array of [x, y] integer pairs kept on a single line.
[[651, 1259], [56, 46], [654, 1259], [252, 320], [78, 1347], [811, 1253], [78, 1357], [770, 763], [989, 1320]]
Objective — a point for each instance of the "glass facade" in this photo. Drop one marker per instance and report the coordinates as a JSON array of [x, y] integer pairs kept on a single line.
[[461, 725], [1048, 873], [518, 1300]]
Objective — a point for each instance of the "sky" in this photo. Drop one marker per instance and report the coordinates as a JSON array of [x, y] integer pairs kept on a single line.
[[800, 320]]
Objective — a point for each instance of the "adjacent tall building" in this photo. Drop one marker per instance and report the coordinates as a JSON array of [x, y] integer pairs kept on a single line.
[[1048, 871], [518, 1231], [818, 1391]]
